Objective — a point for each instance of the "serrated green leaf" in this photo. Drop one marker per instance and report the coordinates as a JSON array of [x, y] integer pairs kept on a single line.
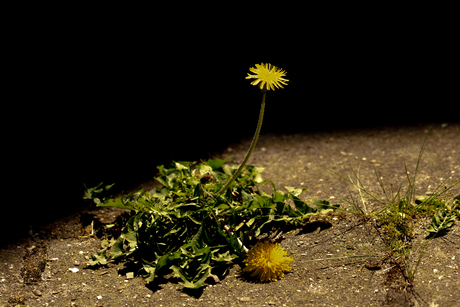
[[442, 220], [225, 257], [190, 283]]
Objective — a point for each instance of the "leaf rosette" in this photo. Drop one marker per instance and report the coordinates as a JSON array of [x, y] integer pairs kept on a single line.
[[183, 225]]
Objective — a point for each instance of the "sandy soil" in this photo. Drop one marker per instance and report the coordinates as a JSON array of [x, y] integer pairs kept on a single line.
[[35, 271]]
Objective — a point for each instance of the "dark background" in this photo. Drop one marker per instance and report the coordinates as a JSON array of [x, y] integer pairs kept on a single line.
[[108, 102]]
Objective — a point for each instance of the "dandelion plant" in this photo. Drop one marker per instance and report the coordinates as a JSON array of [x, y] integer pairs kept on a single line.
[[191, 228]]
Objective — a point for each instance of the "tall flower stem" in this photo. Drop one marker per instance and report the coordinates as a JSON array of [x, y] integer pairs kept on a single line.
[[253, 144]]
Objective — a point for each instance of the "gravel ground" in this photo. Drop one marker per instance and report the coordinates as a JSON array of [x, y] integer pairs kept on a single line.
[[49, 267]]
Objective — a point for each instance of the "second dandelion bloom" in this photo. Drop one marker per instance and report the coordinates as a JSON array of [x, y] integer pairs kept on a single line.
[[267, 261]]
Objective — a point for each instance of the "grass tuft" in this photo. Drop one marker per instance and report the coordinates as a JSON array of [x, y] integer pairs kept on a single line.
[[397, 217]]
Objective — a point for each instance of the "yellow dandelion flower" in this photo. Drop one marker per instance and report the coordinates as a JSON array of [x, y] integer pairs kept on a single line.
[[267, 75], [267, 261]]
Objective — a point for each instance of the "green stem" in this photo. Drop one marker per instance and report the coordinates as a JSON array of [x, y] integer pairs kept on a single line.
[[253, 145]]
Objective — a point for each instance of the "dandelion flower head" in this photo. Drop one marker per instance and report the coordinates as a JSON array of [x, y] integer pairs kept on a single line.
[[268, 76], [267, 261]]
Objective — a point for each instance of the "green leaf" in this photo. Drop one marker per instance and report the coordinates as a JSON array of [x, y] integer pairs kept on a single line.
[[198, 191], [204, 169], [250, 222], [162, 194], [129, 233], [295, 191], [301, 206], [259, 229], [222, 178], [153, 268], [117, 249], [457, 199], [442, 220], [255, 172], [163, 181], [235, 244], [225, 257], [188, 282], [107, 243], [162, 169], [182, 165], [215, 163], [99, 258], [324, 206], [197, 240], [247, 198], [262, 202], [98, 192], [150, 269], [229, 169], [117, 202], [278, 195]]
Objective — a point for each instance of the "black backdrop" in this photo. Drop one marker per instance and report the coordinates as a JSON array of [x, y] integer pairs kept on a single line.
[[109, 104]]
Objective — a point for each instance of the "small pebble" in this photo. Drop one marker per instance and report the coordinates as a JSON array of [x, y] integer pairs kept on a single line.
[[37, 292]]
